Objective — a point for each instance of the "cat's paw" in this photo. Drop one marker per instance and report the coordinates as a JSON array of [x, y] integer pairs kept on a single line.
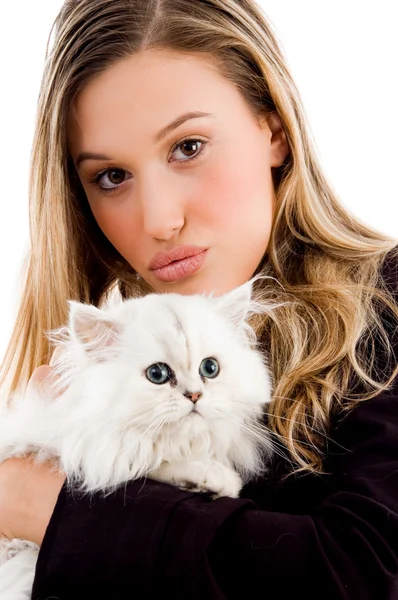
[[219, 480], [204, 477]]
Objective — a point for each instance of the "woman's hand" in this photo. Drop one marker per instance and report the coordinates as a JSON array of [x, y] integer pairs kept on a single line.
[[29, 492]]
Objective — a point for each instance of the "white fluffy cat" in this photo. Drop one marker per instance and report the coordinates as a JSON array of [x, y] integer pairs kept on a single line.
[[166, 386]]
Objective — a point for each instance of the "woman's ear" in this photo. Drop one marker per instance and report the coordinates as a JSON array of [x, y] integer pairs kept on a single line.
[[279, 146]]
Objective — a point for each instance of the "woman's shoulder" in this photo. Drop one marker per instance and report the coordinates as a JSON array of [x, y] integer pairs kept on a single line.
[[362, 444]]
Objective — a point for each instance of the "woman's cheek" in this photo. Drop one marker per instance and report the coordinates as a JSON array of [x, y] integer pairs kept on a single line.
[[233, 193]]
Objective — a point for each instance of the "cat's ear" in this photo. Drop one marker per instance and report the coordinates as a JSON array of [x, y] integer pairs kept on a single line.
[[92, 328], [236, 304]]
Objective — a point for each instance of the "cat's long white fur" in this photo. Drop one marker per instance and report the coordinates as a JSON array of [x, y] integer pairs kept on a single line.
[[112, 425]]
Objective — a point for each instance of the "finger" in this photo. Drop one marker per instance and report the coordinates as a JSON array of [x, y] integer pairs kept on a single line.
[[44, 380], [39, 376], [56, 354]]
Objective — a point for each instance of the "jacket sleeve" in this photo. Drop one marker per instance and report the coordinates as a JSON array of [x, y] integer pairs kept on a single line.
[[347, 547]]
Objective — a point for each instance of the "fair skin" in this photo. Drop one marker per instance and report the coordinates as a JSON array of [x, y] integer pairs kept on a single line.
[[223, 201]]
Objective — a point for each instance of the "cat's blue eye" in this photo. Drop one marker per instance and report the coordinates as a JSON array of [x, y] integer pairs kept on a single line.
[[159, 373], [209, 368]]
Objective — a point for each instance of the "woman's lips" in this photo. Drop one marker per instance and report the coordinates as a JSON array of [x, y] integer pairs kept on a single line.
[[179, 269], [162, 259]]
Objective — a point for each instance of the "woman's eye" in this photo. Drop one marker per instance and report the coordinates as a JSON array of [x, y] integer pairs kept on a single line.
[[116, 176], [111, 179], [193, 148]]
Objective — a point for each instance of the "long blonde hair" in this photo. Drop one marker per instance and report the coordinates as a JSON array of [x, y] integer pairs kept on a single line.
[[324, 261]]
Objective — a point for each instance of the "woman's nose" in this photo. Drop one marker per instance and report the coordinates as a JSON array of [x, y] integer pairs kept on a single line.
[[162, 209]]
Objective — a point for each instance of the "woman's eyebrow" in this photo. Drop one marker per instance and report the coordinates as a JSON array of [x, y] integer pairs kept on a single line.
[[178, 121], [89, 156]]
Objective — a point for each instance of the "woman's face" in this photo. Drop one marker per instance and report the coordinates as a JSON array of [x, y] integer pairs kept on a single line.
[[202, 187]]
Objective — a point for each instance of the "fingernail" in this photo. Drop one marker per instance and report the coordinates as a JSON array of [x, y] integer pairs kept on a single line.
[[56, 354]]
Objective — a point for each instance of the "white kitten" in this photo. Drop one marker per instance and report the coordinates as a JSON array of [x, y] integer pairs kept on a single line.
[[166, 386]]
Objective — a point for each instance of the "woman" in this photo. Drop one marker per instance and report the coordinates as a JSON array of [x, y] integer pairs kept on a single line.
[[175, 124]]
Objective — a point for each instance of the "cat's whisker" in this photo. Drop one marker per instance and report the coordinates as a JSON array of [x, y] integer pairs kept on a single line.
[[314, 429], [257, 430], [128, 451], [291, 401], [265, 413], [130, 424], [246, 402], [278, 436], [152, 425], [132, 418]]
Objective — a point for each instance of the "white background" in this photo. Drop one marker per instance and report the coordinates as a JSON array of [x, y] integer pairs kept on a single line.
[[343, 55]]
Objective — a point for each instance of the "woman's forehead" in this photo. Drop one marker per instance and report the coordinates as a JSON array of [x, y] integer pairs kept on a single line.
[[147, 93]]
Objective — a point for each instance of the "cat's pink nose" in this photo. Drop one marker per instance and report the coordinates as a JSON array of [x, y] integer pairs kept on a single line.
[[193, 397]]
